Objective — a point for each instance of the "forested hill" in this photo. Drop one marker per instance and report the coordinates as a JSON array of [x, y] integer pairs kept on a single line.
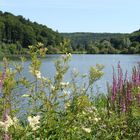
[[82, 38], [105, 43], [135, 36], [21, 32], [17, 33]]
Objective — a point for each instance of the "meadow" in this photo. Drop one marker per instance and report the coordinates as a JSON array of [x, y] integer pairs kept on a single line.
[[64, 110]]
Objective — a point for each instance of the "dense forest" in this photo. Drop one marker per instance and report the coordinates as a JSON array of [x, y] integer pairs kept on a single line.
[[17, 33], [105, 43]]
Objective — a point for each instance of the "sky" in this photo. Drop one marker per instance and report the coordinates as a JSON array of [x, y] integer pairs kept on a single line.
[[116, 16]]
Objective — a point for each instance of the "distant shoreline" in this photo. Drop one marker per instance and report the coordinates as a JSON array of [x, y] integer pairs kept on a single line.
[[28, 56]]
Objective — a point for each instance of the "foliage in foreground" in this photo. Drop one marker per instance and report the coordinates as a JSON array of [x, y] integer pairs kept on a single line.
[[58, 109]]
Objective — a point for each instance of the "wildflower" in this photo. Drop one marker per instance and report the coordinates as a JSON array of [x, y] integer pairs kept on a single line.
[[64, 84], [114, 87], [83, 112], [120, 77], [69, 55], [15, 120], [40, 44], [34, 122], [89, 118], [38, 74], [30, 47], [43, 51], [97, 119], [91, 109], [52, 88], [5, 125], [88, 130]]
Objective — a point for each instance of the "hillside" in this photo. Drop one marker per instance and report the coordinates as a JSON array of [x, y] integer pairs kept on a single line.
[[135, 36], [21, 33], [17, 33], [105, 43], [86, 37]]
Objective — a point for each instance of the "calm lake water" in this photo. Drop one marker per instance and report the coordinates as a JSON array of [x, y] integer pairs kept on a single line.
[[82, 62]]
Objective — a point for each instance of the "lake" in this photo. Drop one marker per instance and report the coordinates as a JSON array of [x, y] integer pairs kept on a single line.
[[82, 62]]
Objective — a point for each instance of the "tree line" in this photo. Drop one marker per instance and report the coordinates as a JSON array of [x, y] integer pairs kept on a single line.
[[105, 43], [17, 33]]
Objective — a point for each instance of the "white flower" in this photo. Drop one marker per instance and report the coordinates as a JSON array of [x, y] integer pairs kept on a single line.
[[34, 122], [83, 112], [88, 130], [64, 84], [92, 109], [15, 120], [5, 125], [30, 47], [97, 119], [52, 88], [69, 54], [38, 74]]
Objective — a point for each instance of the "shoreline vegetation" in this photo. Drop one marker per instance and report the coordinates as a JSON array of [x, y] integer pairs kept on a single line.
[[57, 109], [28, 56]]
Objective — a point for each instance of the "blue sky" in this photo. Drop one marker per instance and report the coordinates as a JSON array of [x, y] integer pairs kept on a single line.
[[79, 15]]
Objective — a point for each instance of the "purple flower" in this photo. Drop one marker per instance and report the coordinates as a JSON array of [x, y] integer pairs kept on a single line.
[[120, 77], [114, 87], [123, 107]]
